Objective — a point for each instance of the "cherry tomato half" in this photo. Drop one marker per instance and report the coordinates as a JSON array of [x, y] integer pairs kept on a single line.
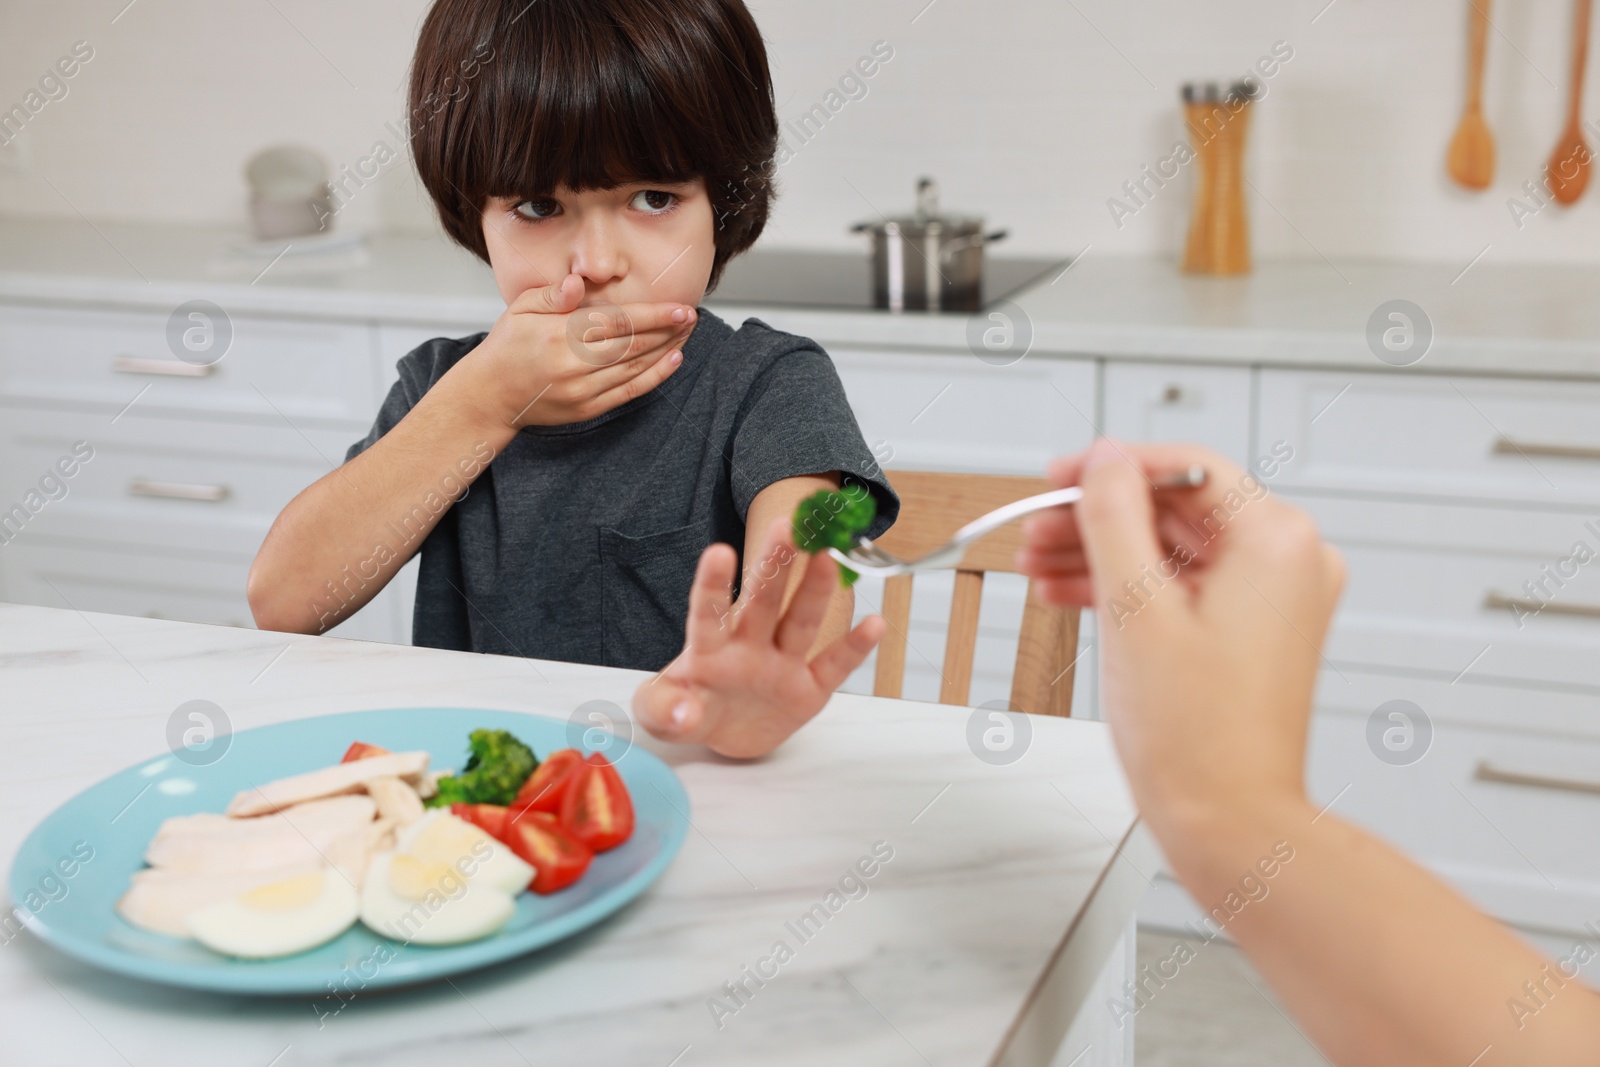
[[546, 786], [490, 818], [558, 858], [597, 809]]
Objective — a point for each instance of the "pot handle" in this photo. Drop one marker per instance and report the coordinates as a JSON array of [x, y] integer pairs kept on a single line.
[[950, 248]]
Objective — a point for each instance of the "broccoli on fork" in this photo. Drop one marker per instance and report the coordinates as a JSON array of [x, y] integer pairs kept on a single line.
[[828, 519]]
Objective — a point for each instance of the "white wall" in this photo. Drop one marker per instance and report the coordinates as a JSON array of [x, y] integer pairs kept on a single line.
[[1031, 112]]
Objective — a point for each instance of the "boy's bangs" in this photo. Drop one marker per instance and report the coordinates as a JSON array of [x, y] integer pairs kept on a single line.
[[599, 108], [520, 98]]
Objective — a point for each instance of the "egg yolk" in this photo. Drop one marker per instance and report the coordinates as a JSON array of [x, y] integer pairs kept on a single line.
[[415, 878], [445, 840], [286, 895]]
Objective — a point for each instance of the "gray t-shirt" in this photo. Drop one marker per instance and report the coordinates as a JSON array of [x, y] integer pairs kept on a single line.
[[579, 542]]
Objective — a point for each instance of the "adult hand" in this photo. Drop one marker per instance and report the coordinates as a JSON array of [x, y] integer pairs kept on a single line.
[[1212, 603], [743, 682], [549, 361]]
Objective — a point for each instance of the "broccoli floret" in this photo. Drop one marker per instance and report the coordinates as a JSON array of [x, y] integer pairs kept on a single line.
[[452, 790], [498, 766], [828, 519]]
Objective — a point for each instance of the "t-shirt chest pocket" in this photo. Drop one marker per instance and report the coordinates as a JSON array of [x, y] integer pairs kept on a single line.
[[644, 593]]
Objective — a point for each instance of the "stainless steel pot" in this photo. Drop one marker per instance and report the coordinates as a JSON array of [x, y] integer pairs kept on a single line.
[[928, 261]]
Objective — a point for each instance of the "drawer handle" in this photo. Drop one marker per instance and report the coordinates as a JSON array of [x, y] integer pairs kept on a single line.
[[1486, 773], [166, 368], [1506, 446], [1173, 394], [1528, 606], [210, 494]]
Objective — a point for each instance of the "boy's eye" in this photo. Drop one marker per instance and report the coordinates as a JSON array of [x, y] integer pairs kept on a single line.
[[654, 201], [538, 209]]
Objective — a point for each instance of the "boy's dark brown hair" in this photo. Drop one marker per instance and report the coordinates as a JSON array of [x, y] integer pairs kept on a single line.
[[516, 97]]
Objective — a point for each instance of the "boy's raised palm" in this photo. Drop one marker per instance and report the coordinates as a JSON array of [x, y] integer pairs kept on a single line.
[[550, 361], [743, 682]]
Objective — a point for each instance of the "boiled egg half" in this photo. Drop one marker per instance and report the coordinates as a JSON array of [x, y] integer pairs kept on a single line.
[[446, 882], [279, 918]]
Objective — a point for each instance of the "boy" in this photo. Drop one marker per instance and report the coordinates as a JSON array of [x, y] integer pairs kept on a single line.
[[606, 158]]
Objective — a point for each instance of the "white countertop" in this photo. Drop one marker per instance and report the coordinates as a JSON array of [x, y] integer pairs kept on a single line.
[[395, 277], [1488, 318], [974, 945]]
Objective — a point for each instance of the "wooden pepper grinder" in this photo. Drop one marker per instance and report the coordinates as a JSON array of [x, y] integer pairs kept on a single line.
[[1219, 232]]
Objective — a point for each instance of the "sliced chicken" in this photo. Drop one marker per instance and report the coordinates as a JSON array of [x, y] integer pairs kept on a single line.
[[292, 837], [340, 812], [223, 853], [339, 779], [396, 799], [162, 900]]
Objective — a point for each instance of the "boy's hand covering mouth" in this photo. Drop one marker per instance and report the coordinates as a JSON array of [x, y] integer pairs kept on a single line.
[[743, 684], [550, 361]]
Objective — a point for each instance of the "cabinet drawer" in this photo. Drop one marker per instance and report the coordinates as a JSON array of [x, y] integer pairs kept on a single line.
[[1460, 437], [1162, 402], [1496, 812], [176, 586], [173, 483], [273, 369], [954, 413], [1439, 588], [128, 583]]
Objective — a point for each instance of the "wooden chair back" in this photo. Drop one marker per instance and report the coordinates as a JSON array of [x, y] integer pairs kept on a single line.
[[933, 506]]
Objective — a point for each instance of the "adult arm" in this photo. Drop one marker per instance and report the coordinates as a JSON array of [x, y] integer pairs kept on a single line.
[[1207, 678]]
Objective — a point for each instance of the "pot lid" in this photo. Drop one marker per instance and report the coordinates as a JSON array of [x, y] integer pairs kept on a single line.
[[926, 218]]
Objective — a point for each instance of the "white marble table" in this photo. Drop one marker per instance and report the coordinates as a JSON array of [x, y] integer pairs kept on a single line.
[[1003, 910]]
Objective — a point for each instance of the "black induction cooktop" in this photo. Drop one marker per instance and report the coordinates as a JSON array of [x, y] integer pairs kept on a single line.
[[797, 278]]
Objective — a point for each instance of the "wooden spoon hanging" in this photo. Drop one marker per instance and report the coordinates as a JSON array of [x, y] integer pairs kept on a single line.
[[1568, 169], [1471, 158]]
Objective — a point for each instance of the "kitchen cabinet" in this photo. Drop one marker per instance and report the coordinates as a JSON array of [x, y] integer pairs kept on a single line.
[[1464, 508], [189, 462], [1507, 785], [1205, 405], [1460, 437], [284, 371], [176, 483], [931, 410], [1444, 588]]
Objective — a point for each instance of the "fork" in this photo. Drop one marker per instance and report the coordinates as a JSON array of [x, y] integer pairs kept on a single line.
[[868, 559]]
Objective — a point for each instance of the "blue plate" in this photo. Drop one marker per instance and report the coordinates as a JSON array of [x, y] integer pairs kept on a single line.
[[71, 870]]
